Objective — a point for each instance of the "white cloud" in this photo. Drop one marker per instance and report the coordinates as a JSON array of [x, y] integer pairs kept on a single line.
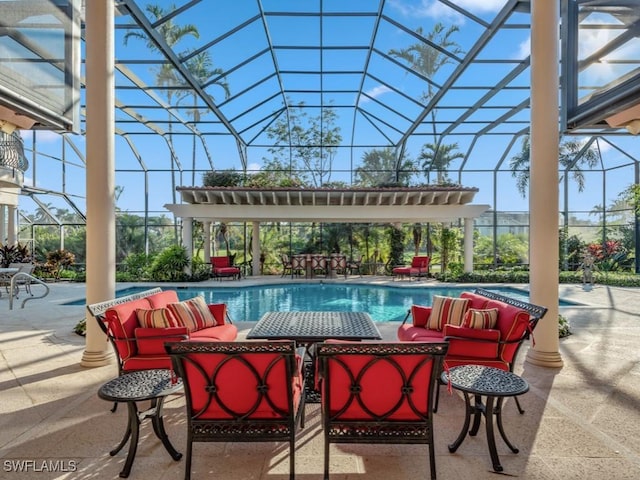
[[44, 136], [524, 49], [441, 12], [375, 92], [253, 168]]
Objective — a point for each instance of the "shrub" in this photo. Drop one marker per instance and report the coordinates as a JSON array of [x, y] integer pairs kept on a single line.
[[169, 265]]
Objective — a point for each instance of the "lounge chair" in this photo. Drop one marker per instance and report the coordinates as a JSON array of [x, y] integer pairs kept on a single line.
[[221, 267], [419, 268]]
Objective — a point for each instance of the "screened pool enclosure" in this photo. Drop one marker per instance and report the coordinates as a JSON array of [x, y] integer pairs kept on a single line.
[[316, 95]]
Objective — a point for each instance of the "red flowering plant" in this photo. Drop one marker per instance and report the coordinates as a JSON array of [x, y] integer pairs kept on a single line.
[[610, 256]]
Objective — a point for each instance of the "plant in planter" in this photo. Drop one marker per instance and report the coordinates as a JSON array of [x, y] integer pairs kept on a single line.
[[57, 261], [564, 328], [13, 254]]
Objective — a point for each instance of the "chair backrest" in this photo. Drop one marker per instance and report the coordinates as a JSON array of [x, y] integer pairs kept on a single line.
[[420, 262], [220, 262], [241, 382], [382, 384]]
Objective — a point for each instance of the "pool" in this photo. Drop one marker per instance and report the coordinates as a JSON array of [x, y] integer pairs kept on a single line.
[[383, 303]]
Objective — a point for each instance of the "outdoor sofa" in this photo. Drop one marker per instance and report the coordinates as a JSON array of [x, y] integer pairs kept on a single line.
[[139, 326]]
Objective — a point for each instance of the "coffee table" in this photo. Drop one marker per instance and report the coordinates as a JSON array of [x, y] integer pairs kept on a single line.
[[493, 383], [314, 327], [309, 328], [134, 387]]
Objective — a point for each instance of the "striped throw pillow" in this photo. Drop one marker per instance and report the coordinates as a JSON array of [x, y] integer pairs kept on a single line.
[[446, 310], [481, 319], [193, 314], [156, 318]]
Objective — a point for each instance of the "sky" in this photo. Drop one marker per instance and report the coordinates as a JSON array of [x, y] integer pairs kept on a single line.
[[515, 44]]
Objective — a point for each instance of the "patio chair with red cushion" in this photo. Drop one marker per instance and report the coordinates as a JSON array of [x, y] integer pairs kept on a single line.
[[379, 393], [419, 268], [221, 267], [241, 392]]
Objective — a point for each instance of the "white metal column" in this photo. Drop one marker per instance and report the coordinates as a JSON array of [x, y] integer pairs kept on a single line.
[[255, 247], [468, 244]]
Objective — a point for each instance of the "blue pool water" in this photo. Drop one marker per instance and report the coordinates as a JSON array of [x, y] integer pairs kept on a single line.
[[383, 303]]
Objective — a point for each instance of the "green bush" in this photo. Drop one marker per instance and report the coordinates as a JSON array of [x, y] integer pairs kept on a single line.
[[169, 265], [614, 279]]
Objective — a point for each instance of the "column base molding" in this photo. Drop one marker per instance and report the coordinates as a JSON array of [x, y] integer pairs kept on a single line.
[[544, 359], [96, 359]]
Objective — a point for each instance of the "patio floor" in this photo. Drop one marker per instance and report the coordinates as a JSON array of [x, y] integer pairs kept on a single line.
[[581, 421]]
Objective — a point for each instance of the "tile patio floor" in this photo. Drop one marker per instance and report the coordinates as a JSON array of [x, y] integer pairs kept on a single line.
[[581, 422]]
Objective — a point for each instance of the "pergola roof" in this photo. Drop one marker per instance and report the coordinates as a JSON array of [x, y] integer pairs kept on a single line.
[[357, 205]]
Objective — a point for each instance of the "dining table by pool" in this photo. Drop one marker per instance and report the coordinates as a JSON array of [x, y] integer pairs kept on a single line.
[[313, 327]]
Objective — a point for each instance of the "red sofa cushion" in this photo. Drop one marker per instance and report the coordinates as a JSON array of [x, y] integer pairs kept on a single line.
[[475, 300], [122, 322], [162, 299], [146, 362], [150, 341], [471, 342], [512, 323], [409, 333], [420, 315], [223, 333]]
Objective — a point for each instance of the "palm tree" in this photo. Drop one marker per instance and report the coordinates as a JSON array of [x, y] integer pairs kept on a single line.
[[438, 157], [380, 167], [166, 74], [427, 60], [572, 156]]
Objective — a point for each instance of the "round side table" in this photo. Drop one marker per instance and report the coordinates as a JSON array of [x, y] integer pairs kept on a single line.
[[153, 385], [495, 385]]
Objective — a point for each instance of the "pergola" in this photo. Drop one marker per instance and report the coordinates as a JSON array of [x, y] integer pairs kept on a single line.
[[354, 205]]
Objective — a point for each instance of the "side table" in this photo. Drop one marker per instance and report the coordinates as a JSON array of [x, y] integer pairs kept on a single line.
[[493, 383], [153, 385]]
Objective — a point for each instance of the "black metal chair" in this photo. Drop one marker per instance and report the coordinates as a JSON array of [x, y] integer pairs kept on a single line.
[[286, 264], [241, 392], [379, 393]]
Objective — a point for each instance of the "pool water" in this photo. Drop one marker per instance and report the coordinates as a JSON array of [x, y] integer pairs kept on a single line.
[[383, 303]]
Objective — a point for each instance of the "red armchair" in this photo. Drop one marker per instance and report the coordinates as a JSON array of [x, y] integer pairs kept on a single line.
[[241, 392], [222, 267], [379, 393], [419, 268]]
